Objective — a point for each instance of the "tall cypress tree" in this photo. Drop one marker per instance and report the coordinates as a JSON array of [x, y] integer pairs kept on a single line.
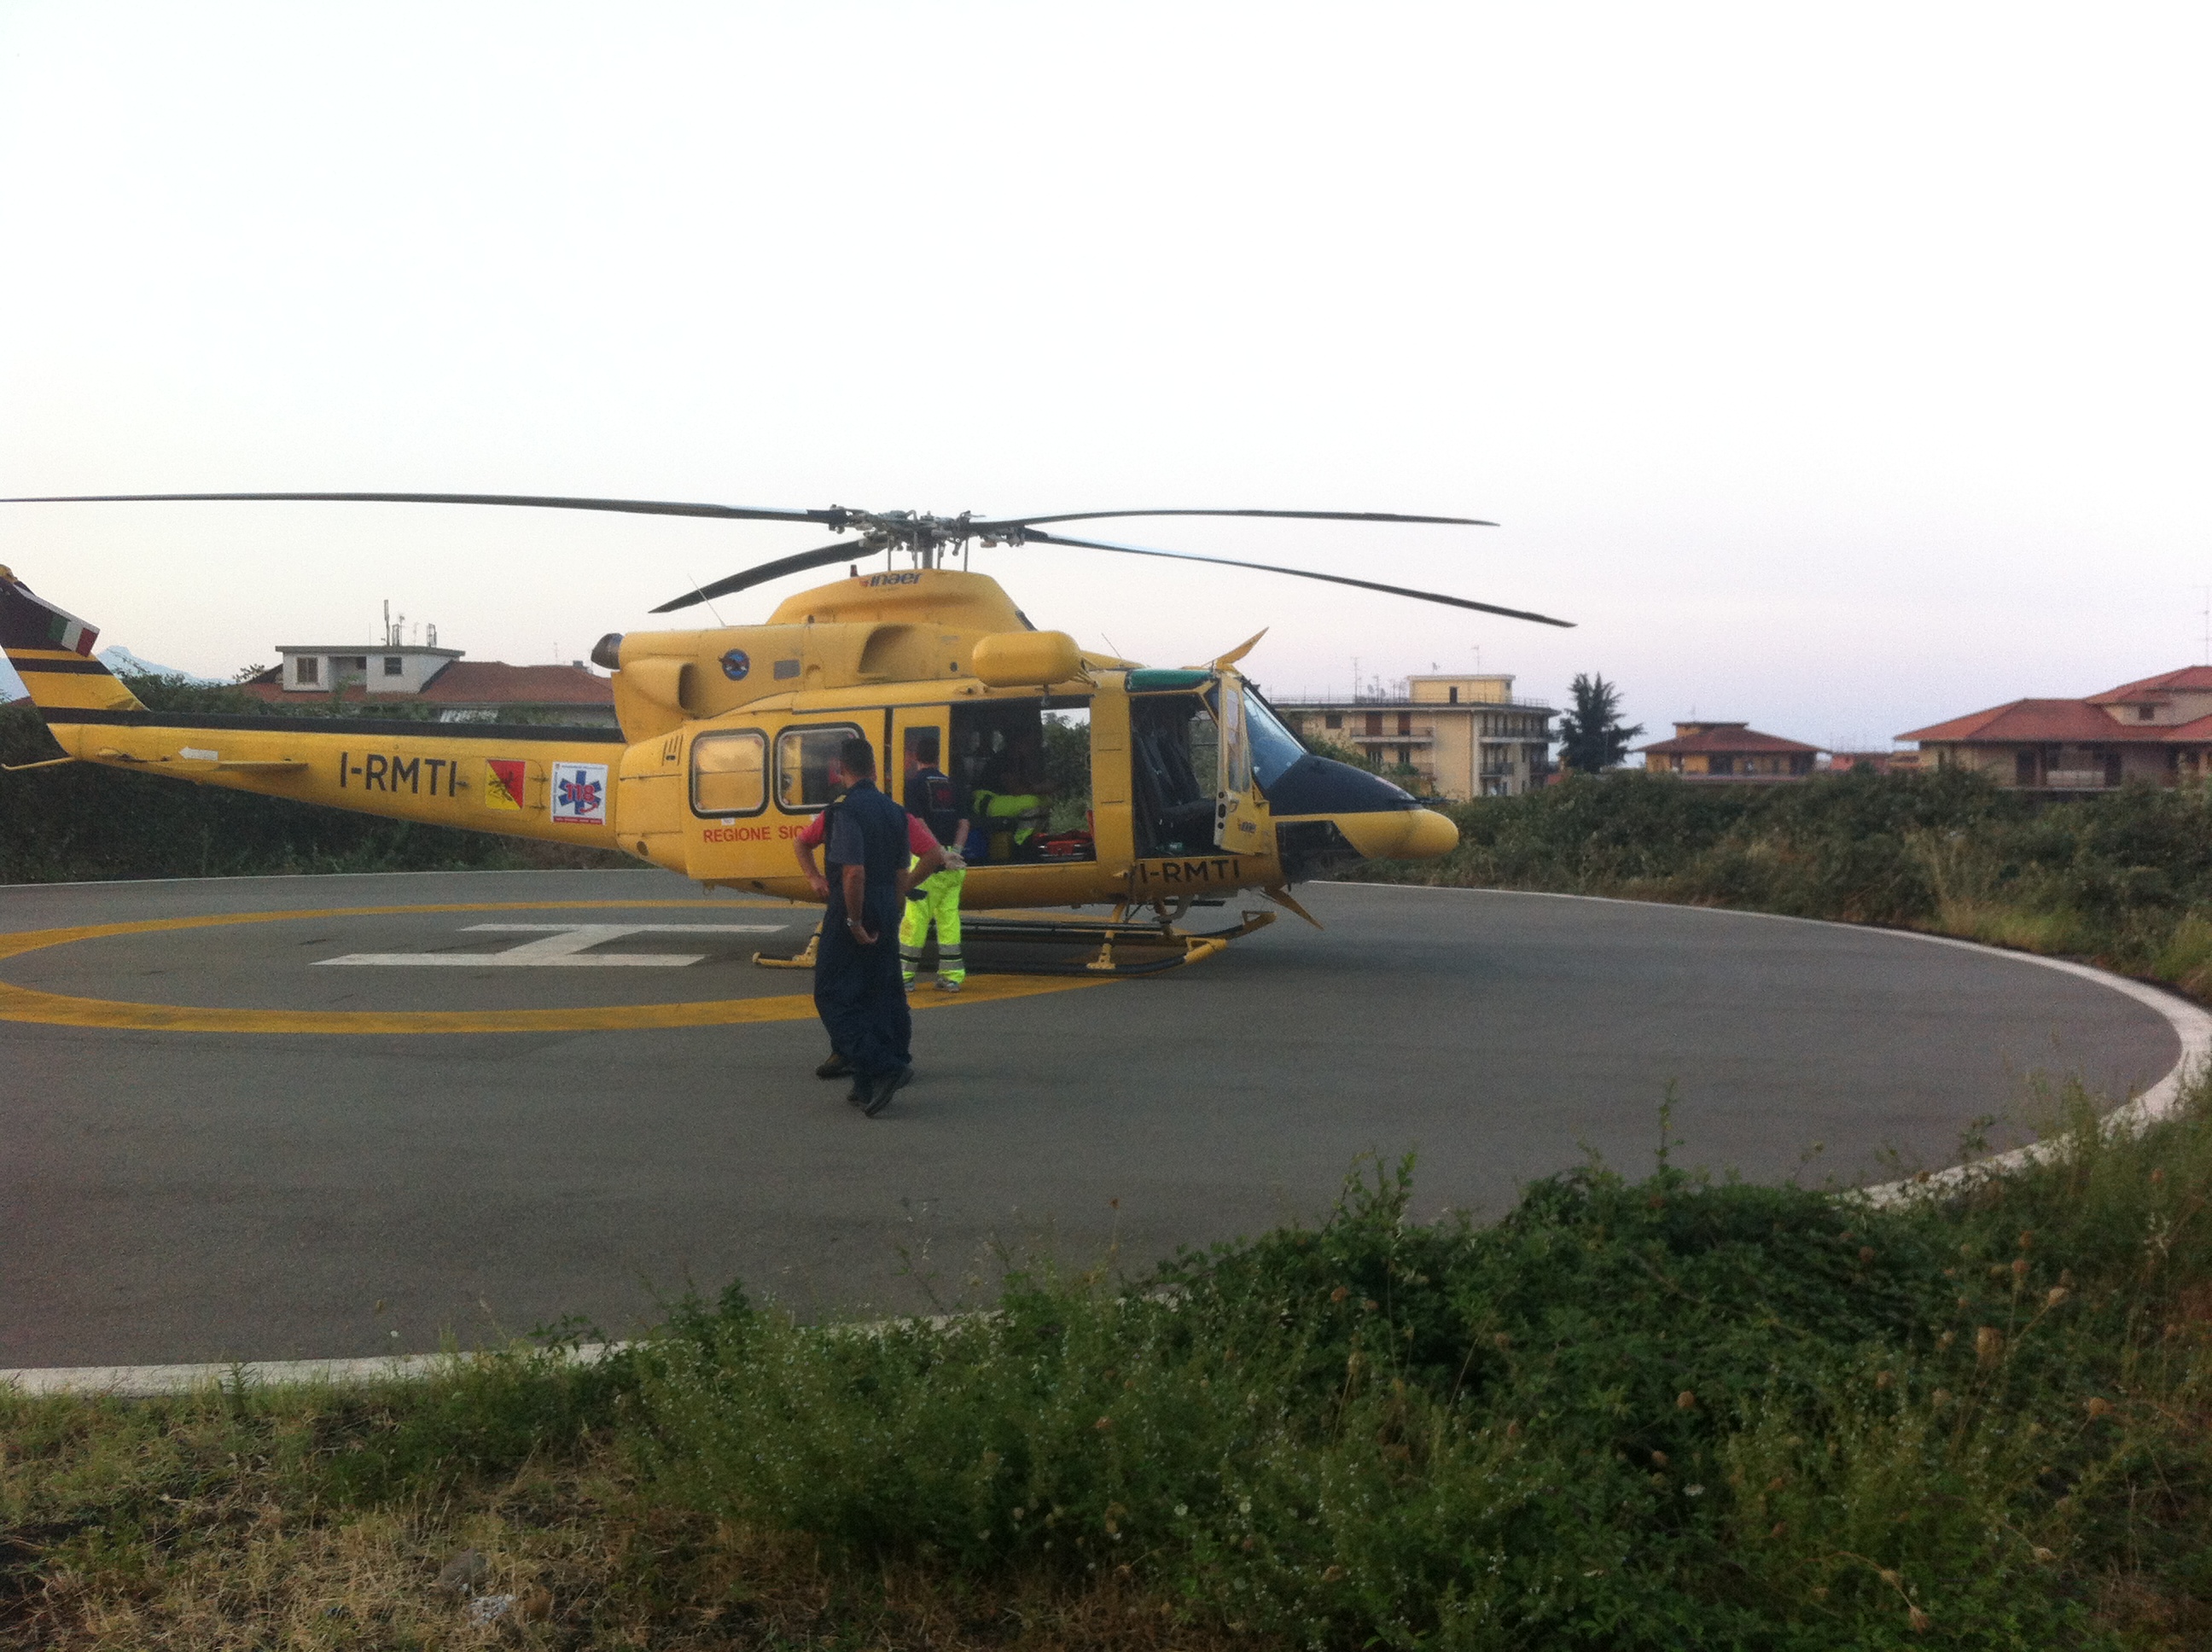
[[1592, 736]]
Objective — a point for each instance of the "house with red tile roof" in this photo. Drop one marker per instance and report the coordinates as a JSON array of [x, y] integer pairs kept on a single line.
[[1875, 762], [463, 690], [1728, 751], [2158, 731]]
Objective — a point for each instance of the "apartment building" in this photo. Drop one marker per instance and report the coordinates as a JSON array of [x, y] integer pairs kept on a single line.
[[1439, 735]]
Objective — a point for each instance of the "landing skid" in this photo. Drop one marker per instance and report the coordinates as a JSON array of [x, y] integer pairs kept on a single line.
[[799, 960], [1175, 947]]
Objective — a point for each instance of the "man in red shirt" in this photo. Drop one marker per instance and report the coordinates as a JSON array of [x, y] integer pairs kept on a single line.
[[919, 844]]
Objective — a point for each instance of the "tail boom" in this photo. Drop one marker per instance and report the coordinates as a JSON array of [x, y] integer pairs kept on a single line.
[[543, 782], [523, 782]]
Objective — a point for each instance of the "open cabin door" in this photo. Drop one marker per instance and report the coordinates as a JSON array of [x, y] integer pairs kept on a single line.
[[1240, 813]]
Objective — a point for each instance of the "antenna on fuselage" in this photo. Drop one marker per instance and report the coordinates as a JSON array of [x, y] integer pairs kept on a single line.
[[709, 601]]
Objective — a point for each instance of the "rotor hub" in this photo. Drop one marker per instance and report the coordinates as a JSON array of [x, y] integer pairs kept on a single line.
[[929, 539]]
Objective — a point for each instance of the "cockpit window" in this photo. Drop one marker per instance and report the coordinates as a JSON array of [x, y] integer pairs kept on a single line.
[[1275, 748]]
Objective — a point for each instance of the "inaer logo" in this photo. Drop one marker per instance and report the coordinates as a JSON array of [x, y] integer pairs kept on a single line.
[[503, 782]]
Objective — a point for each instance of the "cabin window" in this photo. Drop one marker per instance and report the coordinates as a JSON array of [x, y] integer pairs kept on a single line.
[[307, 669], [1021, 769], [803, 757], [729, 773]]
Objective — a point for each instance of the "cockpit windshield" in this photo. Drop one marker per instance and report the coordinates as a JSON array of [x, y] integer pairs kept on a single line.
[[1275, 748]]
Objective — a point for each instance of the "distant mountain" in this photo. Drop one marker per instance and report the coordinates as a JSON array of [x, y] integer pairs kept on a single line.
[[119, 659]]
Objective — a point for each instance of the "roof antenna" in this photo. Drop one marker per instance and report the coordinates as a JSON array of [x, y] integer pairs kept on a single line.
[[694, 578]]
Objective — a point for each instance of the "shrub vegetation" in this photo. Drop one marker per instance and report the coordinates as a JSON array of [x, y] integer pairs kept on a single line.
[[2125, 879], [1655, 1413]]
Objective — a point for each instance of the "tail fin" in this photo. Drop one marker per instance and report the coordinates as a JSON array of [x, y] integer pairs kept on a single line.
[[51, 651]]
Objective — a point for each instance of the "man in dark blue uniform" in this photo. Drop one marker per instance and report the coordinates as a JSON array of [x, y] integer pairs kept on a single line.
[[858, 989]]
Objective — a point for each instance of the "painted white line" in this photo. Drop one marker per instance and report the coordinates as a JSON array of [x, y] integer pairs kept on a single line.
[[561, 945], [150, 1382], [633, 929], [2191, 1024]]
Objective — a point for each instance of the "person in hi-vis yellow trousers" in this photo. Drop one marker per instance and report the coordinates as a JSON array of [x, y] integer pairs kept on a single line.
[[932, 798]]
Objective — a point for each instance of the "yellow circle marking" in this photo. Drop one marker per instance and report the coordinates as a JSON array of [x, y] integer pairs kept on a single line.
[[59, 1009]]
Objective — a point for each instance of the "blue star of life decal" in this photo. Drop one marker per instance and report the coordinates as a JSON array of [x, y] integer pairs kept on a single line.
[[579, 793]]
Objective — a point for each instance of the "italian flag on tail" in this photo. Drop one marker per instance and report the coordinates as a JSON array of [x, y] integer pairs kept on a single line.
[[68, 631], [29, 622]]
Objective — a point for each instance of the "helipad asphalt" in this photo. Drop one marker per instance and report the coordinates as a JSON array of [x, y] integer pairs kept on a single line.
[[220, 1140]]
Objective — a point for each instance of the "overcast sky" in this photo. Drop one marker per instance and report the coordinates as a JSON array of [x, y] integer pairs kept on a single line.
[[1838, 369]]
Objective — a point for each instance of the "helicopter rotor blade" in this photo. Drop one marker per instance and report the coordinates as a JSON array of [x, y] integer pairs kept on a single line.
[[1303, 516], [797, 563], [834, 517], [1306, 573]]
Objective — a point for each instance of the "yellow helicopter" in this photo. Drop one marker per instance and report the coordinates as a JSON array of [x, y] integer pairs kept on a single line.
[[1198, 792]]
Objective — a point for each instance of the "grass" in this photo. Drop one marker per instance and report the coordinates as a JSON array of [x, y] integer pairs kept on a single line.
[[1666, 1411]]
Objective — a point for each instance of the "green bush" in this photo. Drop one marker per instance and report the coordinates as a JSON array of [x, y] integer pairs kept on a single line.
[[1660, 1414], [2121, 877], [1656, 1413]]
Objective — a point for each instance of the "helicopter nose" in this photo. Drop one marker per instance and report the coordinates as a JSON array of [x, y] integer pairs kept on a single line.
[[1401, 834], [1428, 836]]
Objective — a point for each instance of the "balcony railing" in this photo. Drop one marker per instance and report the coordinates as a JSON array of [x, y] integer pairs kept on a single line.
[[1398, 701]]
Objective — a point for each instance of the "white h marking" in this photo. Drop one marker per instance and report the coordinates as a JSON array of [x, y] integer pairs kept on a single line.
[[563, 946]]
